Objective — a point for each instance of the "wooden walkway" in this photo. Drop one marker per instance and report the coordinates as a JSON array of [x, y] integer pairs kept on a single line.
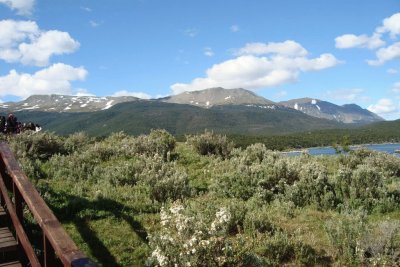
[[8, 243], [18, 197]]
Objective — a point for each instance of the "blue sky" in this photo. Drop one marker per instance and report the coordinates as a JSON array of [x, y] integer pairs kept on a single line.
[[342, 51]]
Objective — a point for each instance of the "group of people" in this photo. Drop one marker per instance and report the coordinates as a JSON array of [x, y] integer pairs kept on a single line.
[[11, 125]]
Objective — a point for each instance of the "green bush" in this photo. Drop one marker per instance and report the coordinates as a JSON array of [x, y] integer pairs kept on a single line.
[[362, 187], [165, 180], [211, 144], [312, 188], [346, 233], [42, 145]]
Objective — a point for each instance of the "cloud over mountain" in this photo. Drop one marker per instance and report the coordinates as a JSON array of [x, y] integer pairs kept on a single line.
[[384, 106], [55, 79], [260, 65]]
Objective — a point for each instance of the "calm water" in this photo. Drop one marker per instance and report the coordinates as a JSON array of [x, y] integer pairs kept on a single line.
[[388, 148]]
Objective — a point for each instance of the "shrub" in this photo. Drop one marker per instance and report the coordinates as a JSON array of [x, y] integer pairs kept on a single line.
[[76, 141], [381, 245], [187, 239], [165, 179], [345, 234], [34, 146], [312, 187], [157, 142], [361, 187], [118, 172], [258, 221], [211, 144]]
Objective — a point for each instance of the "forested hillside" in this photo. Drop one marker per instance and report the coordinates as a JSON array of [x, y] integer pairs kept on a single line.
[[141, 116], [380, 132]]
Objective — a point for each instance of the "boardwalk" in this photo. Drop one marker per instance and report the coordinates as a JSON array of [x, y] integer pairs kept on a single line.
[[19, 197]]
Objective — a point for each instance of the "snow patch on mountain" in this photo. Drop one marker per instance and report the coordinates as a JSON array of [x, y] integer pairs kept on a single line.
[[63, 103], [108, 105]]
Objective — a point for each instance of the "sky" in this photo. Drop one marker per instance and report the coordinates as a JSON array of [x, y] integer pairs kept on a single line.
[[341, 51]]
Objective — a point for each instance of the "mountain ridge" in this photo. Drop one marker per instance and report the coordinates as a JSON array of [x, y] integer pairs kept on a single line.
[[347, 113], [207, 98]]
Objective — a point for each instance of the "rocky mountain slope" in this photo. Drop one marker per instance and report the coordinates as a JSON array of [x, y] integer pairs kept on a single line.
[[218, 96], [64, 103], [350, 113]]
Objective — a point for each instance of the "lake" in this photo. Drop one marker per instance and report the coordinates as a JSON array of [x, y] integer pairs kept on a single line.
[[388, 148]]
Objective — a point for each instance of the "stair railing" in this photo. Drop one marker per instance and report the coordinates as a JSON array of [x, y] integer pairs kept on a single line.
[[57, 244]]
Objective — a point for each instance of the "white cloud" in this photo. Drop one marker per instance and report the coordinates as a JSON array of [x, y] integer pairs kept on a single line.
[[391, 25], [346, 94], [94, 24], [24, 42], [392, 71], [288, 48], [23, 7], [12, 32], [191, 32], [87, 9], [47, 44], [235, 28], [396, 87], [360, 41], [208, 52], [281, 94], [252, 72], [384, 106], [82, 92], [55, 79], [135, 94], [386, 54]]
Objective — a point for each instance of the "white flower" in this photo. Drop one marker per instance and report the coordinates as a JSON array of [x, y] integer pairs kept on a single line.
[[161, 259], [176, 208]]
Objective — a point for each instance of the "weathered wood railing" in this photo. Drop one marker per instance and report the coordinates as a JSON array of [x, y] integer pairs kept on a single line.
[[57, 244]]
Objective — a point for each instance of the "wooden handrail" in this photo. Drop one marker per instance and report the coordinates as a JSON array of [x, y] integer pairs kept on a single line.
[[55, 237], [22, 238]]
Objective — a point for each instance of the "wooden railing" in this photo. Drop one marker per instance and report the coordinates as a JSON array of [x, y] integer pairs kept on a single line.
[[58, 246]]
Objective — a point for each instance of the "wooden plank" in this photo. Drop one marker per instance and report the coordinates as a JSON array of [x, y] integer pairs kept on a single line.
[[7, 240], [11, 264]]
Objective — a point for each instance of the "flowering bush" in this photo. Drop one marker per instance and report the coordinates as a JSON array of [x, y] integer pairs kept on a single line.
[[190, 240]]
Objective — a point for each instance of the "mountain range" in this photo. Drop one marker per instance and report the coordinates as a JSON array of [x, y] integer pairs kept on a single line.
[[235, 111]]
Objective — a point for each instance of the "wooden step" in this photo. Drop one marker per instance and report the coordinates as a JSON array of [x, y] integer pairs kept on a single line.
[[7, 240], [11, 264]]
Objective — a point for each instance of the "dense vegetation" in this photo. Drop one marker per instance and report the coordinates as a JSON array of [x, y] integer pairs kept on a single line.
[[380, 132], [149, 200]]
